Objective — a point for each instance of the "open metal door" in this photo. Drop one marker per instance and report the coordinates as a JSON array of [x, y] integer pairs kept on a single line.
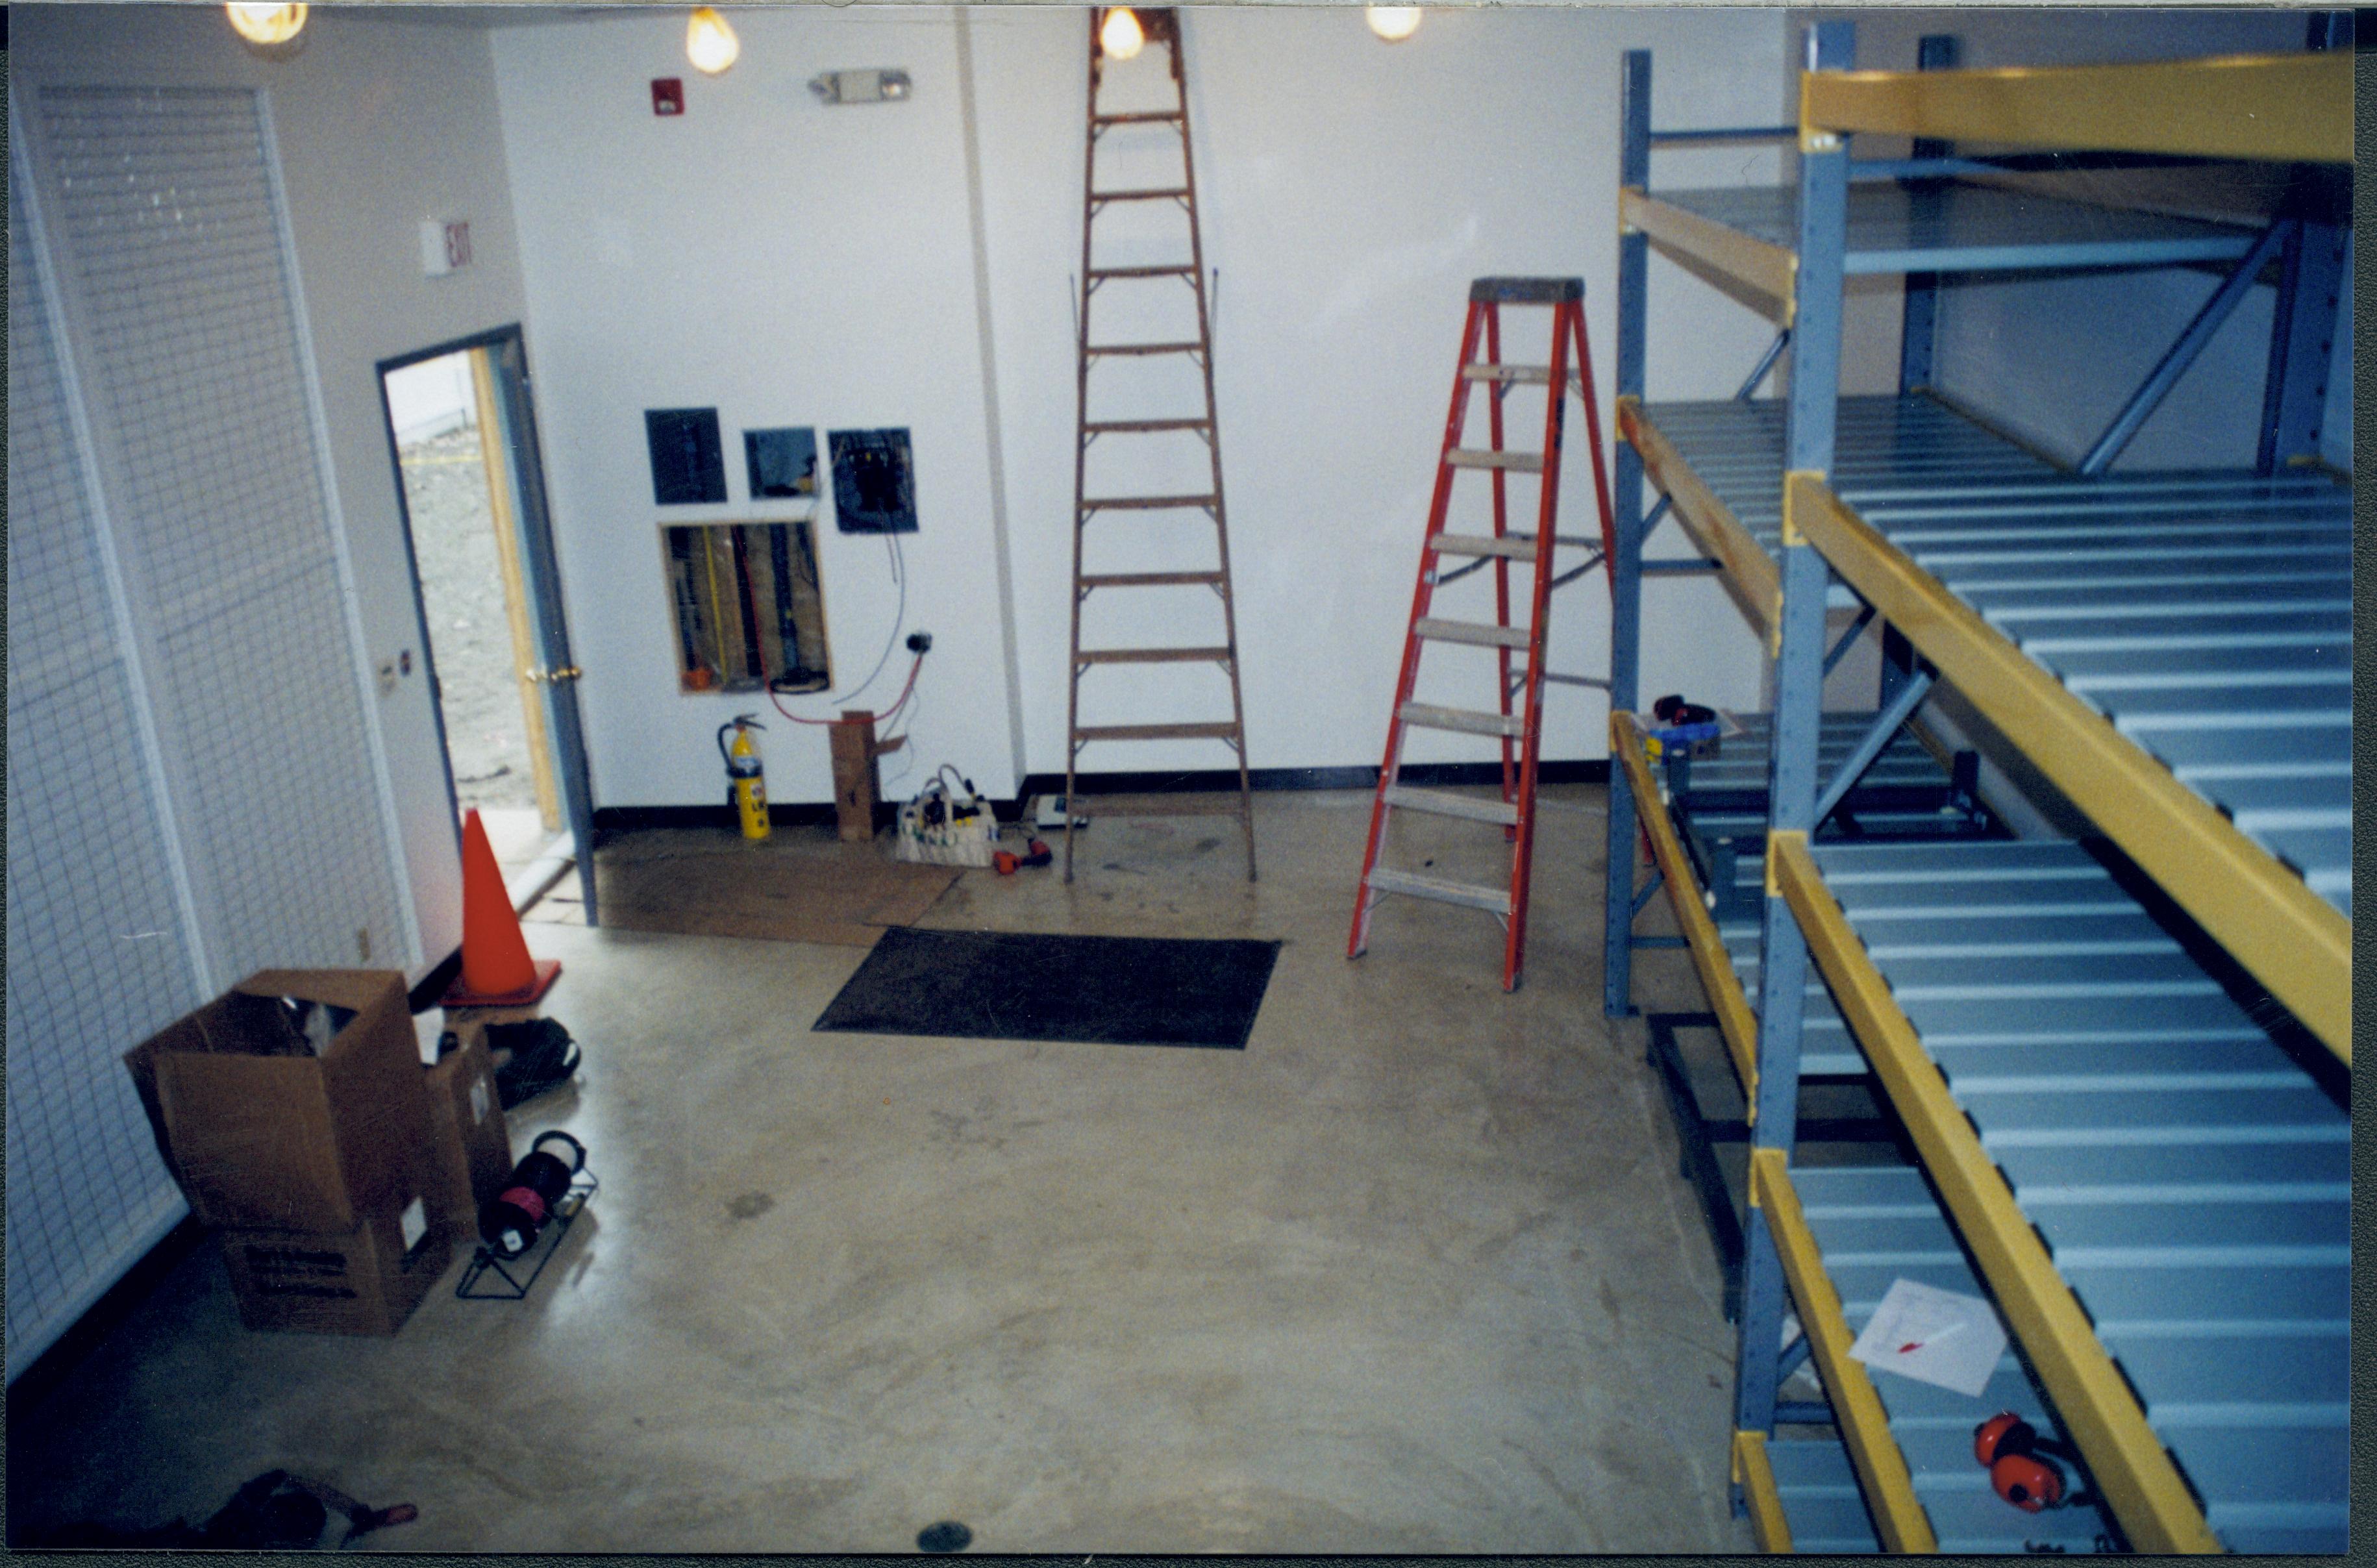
[[503, 362]]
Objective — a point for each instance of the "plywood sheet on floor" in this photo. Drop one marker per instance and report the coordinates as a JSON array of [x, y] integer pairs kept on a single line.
[[798, 886]]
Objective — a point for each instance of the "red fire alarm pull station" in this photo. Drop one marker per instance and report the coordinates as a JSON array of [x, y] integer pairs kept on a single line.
[[668, 95]]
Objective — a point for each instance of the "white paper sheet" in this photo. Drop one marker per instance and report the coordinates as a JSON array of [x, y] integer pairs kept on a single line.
[[1934, 1337]]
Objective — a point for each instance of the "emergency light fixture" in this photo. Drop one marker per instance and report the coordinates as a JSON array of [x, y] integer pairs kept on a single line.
[[860, 87]]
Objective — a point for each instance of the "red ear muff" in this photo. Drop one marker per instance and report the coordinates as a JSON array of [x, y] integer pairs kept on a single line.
[[2004, 1433], [2029, 1483]]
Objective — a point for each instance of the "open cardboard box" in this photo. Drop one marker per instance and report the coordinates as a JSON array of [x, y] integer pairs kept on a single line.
[[291, 1141], [366, 1281], [471, 1145]]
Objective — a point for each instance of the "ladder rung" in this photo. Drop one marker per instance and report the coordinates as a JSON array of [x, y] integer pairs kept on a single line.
[[1143, 272], [1383, 879], [1531, 374], [1150, 655], [1167, 193], [1517, 547], [1151, 579], [1120, 426], [1223, 731], [1469, 721], [1478, 457], [1471, 632], [1470, 806], [1140, 117], [1147, 503], [1145, 348]]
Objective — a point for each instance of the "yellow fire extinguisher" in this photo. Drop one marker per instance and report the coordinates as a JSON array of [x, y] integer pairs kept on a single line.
[[746, 784]]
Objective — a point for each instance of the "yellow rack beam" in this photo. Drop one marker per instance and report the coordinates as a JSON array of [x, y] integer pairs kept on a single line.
[[1755, 1474], [2287, 108], [2292, 940], [1771, 270], [2135, 1472], [1749, 572], [1898, 1516], [1726, 999]]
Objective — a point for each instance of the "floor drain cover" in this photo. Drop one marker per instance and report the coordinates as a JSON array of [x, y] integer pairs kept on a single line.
[[947, 1536]]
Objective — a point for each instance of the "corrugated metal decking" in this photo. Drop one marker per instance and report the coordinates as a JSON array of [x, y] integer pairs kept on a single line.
[[1735, 448], [2190, 1181], [1739, 769], [1955, 227], [2207, 617], [1874, 1225]]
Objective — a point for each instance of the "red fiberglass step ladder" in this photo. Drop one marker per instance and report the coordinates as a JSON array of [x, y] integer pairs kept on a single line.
[[1519, 727]]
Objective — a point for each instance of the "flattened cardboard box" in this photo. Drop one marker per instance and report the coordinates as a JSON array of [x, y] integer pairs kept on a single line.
[[291, 1141], [472, 1147], [366, 1281]]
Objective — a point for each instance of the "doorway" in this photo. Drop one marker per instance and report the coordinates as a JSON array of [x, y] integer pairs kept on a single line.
[[493, 634]]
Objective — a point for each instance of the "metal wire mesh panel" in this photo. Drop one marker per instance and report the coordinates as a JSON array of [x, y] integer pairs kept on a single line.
[[97, 950], [165, 214]]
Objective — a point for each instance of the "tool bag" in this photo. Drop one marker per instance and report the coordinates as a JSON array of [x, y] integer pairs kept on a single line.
[[947, 824]]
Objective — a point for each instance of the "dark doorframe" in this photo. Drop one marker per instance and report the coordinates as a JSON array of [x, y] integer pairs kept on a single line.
[[515, 420]]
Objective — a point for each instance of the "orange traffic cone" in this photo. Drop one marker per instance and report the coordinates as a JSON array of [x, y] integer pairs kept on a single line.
[[496, 969]]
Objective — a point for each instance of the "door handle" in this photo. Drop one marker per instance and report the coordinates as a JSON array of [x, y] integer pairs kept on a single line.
[[566, 672]]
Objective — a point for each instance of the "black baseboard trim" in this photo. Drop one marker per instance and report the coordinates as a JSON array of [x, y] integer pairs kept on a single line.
[[33, 1386], [629, 818], [434, 985], [1593, 771]]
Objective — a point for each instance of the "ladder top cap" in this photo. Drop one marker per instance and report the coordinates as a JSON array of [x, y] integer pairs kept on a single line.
[[1526, 291]]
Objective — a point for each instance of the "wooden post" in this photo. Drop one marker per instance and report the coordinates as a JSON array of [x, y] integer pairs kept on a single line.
[[855, 784]]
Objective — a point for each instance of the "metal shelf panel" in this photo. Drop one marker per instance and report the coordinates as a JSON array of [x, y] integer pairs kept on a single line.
[[2151, 755], [2191, 1189], [1826, 1047], [1816, 1490], [1875, 1226], [1740, 767], [2258, 695], [1722, 464], [1952, 227]]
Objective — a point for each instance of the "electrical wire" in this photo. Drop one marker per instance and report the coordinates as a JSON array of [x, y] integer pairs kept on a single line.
[[897, 560]]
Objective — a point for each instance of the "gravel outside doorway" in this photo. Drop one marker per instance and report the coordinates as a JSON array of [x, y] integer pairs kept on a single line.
[[470, 634]]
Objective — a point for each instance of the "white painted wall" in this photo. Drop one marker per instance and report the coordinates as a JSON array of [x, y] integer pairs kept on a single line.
[[379, 125], [1349, 191], [790, 263]]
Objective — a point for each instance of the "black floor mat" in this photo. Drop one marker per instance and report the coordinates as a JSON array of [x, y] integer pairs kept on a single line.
[[1011, 985]]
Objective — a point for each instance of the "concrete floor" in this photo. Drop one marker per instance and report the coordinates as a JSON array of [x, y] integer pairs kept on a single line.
[[1414, 1272]]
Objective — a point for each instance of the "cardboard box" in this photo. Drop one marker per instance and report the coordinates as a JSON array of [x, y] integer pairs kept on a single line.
[[365, 1281], [470, 1146], [264, 1138]]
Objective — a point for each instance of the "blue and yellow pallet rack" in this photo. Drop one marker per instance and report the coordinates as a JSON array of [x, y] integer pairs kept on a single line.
[[2125, 1066]]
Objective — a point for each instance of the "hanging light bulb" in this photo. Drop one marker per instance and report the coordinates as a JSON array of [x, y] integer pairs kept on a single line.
[[1122, 37], [709, 43], [1393, 23], [263, 21]]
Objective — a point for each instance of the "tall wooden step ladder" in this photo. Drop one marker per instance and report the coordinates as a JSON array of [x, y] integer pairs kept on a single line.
[[1156, 264], [1516, 719]]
